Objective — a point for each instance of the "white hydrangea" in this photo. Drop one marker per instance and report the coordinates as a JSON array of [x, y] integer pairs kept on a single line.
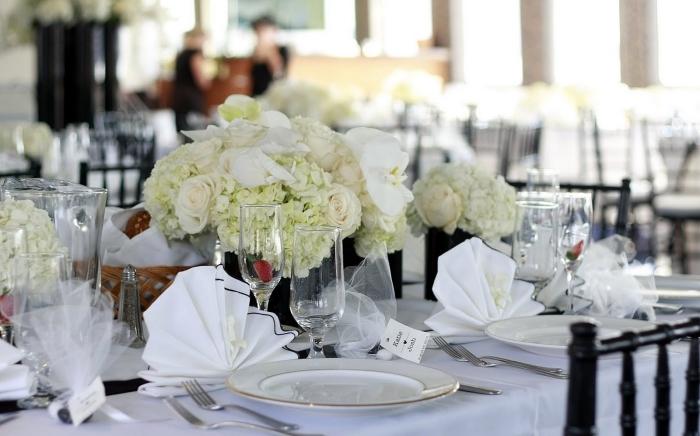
[[54, 11], [459, 195], [39, 233], [299, 98], [94, 10]]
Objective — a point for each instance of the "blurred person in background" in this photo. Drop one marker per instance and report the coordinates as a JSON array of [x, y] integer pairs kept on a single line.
[[190, 80], [269, 59]]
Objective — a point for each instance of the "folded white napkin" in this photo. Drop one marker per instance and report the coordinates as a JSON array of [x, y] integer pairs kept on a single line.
[[149, 248], [15, 380], [475, 285], [203, 328]]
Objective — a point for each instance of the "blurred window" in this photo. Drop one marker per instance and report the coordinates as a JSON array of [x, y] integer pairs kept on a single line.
[[491, 42], [679, 64], [586, 42]]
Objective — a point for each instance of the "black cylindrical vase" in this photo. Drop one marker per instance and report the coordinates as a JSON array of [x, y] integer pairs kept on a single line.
[[111, 57], [49, 40], [438, 242], [80, 74]]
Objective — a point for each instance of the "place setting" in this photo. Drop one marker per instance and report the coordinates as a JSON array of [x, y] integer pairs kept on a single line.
[[345, 217]]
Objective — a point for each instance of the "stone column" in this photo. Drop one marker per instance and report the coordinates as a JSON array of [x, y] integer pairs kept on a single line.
[[639, 54], [536, 40]]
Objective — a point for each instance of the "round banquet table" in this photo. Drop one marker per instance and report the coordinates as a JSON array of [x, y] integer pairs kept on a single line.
[[530, 404]]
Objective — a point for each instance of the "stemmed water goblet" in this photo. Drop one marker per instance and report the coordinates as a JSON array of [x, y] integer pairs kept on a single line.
[[542, 180], [317, 297], [576, 211], [260, 249], [535, 239]]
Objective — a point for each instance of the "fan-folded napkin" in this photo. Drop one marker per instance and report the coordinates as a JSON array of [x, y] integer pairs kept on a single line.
[[148, 248], [202, 327], [15, 380], [475, 284]]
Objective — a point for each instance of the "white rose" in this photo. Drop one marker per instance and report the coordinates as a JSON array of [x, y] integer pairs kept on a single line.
[[239, 106], [440, 206], [321, 140], [344, 209], [349, 173], [194, 201], [251, 167]]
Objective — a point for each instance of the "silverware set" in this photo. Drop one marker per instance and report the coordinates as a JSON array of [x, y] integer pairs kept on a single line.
[[202, 398], [460, 353]]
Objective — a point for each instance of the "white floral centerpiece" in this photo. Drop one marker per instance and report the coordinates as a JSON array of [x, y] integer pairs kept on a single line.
[[320, 177], [462, 196], [300, 98]]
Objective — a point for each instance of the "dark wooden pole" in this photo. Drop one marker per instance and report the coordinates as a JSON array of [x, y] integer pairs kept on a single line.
[[692, 384], [662, 382], [628, 393]]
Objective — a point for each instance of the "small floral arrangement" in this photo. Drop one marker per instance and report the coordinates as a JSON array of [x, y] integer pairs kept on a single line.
[[299, 98], [319, 177], [413, 86], [459, 195], [39, 234]]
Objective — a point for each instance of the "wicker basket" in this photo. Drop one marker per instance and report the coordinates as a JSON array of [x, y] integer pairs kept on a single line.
[[153, 280]]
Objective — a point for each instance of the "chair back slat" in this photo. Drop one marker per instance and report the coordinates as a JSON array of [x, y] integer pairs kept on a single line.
[[692, 390], [583, 368], [584, 351], [628, 393], [662, 383]]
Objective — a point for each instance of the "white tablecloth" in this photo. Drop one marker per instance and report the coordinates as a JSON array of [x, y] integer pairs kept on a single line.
[[530, 404]]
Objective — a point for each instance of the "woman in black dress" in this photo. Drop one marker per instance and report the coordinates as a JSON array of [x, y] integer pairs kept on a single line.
[[269, 60], [190, 81]]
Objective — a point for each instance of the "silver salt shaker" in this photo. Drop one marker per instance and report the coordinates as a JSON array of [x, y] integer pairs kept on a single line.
[[130, 306]]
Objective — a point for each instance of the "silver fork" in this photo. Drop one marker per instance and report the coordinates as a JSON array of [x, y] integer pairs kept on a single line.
[[460, 353], [185, 414], [205, 401], [457, 355]]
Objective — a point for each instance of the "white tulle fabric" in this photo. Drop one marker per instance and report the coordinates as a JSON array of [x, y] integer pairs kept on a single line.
[[203, 328], [149, 248], [475, 286]]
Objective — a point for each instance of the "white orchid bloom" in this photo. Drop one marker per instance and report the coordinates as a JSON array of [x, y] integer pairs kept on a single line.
[[274, 119], [251, 167], [383, 165]]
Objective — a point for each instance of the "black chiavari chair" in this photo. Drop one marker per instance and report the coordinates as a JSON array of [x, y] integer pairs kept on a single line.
[[598, 194], [518, 145], [121, 159], [584, 351]]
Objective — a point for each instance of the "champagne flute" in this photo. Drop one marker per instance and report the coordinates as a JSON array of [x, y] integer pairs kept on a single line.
[[39, 280], [317, 297], [12, 243], [535, 239], [576, 212], [260, 249]]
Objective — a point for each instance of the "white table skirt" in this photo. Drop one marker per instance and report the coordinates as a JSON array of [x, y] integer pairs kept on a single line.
[[530, 405]]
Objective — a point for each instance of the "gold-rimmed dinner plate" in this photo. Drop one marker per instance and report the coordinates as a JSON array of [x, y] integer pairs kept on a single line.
[[341, 383]]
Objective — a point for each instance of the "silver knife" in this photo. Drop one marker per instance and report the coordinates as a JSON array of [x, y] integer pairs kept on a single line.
[[479, 390], [8, 418]]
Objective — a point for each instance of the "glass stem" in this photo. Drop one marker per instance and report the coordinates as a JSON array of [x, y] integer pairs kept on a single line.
[[262, 297], [316, 350], [570, 288]]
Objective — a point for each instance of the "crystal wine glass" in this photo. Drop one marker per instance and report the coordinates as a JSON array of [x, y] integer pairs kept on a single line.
[[260, 249], [317, 297], [576, 212], [535, 239], [12, 243], [39, 279]]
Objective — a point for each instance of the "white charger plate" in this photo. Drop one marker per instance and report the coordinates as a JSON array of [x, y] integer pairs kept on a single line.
[[550, 334], [341, 383]]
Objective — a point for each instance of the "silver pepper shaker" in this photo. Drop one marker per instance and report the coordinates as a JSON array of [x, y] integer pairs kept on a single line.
[[130, 306], [217, 257]]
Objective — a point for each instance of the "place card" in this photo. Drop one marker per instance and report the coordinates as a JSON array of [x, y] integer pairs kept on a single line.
[[405, 342], [83, 404]]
